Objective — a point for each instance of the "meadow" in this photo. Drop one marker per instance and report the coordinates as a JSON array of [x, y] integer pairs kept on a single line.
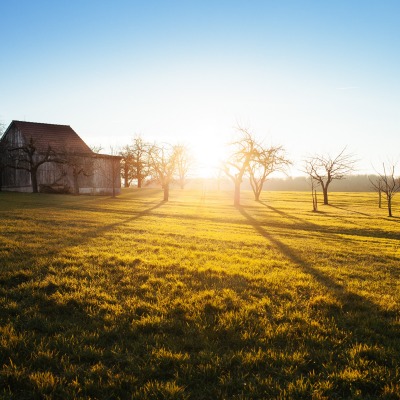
[[135, 298]]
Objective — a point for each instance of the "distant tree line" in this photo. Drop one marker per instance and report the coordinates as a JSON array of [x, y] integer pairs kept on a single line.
[[352, 183], [146, 163], [249, 163]]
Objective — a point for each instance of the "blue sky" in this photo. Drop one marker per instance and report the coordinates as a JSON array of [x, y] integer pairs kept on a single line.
[[313, 76]]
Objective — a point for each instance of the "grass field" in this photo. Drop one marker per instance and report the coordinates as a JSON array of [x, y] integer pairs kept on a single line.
[[133, 298]]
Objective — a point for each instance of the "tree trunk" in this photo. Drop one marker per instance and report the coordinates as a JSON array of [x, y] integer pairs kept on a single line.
[[126, 178], [139, 175], [257, 188], [34, 181], [236, 197], [166, 192], [76, 185], [314, 200], [389, 201], [325, 191]]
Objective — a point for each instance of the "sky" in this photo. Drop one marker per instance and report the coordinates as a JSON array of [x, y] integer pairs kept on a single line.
[[311, 76]]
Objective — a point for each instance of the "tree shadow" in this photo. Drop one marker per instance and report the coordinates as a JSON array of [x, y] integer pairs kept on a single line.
[[63, 242], [393, 219], [310, 226], [356, 309], [290, 216], [350, 211], [91, 234]]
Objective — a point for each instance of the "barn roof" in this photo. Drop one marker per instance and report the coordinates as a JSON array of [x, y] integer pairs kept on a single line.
[[60, 137]]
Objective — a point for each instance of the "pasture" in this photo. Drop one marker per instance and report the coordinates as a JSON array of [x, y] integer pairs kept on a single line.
[[134, 298]]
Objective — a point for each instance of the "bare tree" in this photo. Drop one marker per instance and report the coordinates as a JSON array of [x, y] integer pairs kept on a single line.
[[325, 169], [314, 185], [96, 148], [388, 184], [238, 163], [183, 163], [135, 162], [80, 165], [377, 184], [28, 158], [162, 161], [264, 162], [140, 151], [127, 165]]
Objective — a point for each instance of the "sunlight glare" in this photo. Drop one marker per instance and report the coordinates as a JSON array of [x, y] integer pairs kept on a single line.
[[208, 159]]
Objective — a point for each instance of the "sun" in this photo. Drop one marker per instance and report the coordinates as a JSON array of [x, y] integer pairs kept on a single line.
[[207, 159]]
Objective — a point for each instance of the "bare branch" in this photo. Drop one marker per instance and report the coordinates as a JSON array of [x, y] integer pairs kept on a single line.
[[387, 183], [264, 162], [163, 161], [184, 163], [325, 169], [236, 166]]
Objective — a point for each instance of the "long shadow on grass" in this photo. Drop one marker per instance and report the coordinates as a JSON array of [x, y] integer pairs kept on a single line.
[[24, 255], [309, 226], [307, 223], [138, 215], [102, 229], [362, 317], [291, 216], [350, 211]]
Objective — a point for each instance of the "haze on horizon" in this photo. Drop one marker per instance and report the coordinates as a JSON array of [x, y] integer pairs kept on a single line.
[[309, 76]]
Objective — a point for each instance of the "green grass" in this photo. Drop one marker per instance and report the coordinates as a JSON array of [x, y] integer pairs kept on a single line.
[[133, 298]]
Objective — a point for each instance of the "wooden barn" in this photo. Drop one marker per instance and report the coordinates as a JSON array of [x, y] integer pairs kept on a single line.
[[38, 157]]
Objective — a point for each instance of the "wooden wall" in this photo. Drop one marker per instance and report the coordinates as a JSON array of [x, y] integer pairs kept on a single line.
[[101, 172]]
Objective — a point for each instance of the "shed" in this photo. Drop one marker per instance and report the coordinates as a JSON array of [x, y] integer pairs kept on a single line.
[[53, 158]]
